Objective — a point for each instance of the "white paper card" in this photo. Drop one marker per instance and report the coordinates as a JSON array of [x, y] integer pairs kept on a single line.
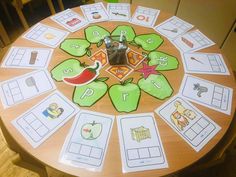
[[204, 63], [192, 41], [95, 12], [189, 122], [87, 141], [46, 35], [206, 93], [140, 143], [70, 20], [145, 16], [119, 11], [29, 58], [173, 27], [25, 87], [45, 118]]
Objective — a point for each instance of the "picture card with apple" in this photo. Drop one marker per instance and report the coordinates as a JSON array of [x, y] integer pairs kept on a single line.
[[87, 141]]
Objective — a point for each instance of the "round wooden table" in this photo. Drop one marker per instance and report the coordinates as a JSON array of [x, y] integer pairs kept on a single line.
[[179, 154]]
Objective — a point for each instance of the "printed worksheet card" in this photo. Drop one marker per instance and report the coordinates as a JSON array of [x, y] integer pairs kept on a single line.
[[86, 144], [189, 122], [173, 27], [204, 63], [29, 58], [119, 11], [145, 16], [45, 118], [140, 143], [206, 93], [25, 87], [95, 12], [192, 41], [46, 35], [70, 20]]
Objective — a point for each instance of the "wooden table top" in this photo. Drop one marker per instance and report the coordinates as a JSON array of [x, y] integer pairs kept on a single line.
[[179, 154]]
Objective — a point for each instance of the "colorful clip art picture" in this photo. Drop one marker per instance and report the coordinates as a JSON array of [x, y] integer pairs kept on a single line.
[[53, 111]]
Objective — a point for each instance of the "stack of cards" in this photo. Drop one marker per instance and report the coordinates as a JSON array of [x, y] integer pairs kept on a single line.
[[46, 35], [206, 93], [189, 122], [29, 58], [45, 118], [173, 27], [140, 143], [145, 16], [25, 87], [70, 20], [87, 141], [95, 12]]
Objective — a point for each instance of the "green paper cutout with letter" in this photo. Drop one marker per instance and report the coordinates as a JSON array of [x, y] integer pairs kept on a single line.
[[148, 42], [128, 31], [67, 68], [91, 131], [88, 95], [156, 86], [125, 96], [162, 60], [76, 47], [95, 34]]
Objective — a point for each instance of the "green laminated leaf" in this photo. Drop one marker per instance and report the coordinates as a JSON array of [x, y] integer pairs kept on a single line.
[[163, 61], [67, 68], [75, 47], [88, 95], [148, 42], [128, 31], [125, 98], [94, 34], [156, 86]]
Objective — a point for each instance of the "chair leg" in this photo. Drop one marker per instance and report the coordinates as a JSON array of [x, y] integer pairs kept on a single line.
[[4, 5], [22, 18], [4, 35], [61, 6], [39, 169], [51, 7]]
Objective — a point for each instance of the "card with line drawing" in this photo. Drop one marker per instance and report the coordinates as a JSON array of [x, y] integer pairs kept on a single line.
[[140, 143], [25, 87], [87, 141], [206, 93], [46, 35], [189, 122], [119, 11], [204, 63], [41, 121], [95, 12], [70, 20], [29, 58], [145, 16], [173, 27], [192, 41]]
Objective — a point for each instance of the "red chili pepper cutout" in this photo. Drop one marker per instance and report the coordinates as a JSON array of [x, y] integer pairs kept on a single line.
[[86, 76]]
